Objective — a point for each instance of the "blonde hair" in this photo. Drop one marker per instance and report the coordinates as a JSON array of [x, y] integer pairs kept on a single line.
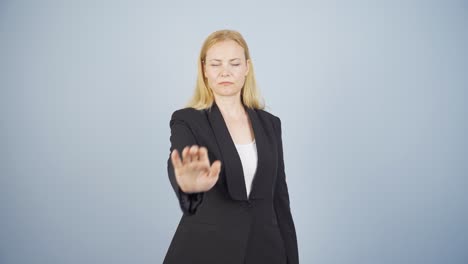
[[203, 97]]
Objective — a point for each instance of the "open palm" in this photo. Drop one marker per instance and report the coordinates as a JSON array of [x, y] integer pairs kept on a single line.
[[194, 173]]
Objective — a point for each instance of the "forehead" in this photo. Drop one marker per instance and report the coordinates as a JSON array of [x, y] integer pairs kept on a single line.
[[225, 50]]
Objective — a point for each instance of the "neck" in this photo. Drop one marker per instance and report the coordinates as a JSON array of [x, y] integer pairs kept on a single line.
[[230, 107]]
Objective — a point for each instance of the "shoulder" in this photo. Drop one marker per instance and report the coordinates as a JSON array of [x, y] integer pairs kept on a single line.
[[187, 117], [186, 114], [275, 120]]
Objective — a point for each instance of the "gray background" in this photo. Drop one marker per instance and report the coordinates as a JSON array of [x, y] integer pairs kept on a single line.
[[371, 96]]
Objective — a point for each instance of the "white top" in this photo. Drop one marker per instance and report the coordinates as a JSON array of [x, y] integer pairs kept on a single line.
[[248, 156]]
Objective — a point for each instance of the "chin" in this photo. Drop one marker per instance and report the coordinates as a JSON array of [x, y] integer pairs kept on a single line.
[[227, 90]]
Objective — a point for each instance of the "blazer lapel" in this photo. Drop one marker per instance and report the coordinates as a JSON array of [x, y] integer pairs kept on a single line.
[[266, 161], [263, 182]]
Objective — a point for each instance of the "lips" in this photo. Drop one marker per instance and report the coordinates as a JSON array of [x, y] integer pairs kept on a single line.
[[225, 83]]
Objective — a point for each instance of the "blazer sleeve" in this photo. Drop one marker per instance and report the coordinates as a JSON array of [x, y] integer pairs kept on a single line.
[[281, 204], [182, 136]]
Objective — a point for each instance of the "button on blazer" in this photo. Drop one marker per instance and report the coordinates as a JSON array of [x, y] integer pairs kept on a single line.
[[223, 224]]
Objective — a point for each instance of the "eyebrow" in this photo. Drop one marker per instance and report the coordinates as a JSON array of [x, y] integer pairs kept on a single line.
[[229, 60]]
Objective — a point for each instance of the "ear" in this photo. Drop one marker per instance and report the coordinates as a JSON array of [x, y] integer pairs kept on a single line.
[[248, 67]]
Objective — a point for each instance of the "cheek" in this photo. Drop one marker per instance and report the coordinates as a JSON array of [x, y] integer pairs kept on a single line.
[[241, 71], [209, 75], [211, 79], [240, 74]]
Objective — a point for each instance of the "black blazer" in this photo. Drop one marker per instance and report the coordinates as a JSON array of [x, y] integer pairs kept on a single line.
[[223, 225]]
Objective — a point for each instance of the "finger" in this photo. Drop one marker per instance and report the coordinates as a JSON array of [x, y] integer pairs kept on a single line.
[[215, 169], [203, 154], [185, 155], [194, 153], [175, 158]]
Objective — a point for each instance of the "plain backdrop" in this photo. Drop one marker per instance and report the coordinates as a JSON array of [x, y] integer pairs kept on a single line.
[[372, 97]]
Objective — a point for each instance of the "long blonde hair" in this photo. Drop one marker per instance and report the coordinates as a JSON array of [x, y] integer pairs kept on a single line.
[[203, 97]]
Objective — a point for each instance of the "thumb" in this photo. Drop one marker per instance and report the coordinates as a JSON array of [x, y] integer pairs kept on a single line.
[[215, 168]]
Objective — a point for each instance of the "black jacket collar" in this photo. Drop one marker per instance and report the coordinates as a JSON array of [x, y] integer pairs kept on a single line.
[[266, 150]]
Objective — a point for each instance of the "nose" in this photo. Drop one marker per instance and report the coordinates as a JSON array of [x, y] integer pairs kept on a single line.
[[225, 71]]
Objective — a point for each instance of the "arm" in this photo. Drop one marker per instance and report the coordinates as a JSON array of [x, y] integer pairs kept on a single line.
[[281, 203], [182, 136]]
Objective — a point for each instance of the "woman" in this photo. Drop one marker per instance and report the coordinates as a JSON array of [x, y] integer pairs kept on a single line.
[[226, 166]]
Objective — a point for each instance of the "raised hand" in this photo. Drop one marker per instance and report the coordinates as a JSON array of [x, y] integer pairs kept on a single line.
[[194, 173]]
